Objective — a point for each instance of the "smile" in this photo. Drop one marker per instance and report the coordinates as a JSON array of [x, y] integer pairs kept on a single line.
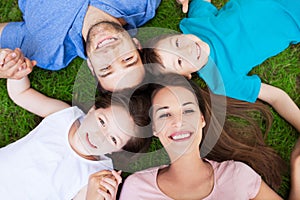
[[106, 41], [180, 136], [89, 142]]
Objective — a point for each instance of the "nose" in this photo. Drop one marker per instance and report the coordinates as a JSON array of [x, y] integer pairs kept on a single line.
[[177, 121]]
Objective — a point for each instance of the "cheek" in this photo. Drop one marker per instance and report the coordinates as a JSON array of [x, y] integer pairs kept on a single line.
[[160, 126]]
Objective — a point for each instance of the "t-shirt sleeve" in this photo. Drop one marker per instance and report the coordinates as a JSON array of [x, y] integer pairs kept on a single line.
[[201, 8], [247, 179], [244, 88]]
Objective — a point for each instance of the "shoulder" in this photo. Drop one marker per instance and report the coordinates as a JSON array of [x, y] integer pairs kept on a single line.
[[236, 175], [144, 182], [232, 168], [145, 176]]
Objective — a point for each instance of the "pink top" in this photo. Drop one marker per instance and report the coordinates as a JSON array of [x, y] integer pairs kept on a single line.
[[233, 180]]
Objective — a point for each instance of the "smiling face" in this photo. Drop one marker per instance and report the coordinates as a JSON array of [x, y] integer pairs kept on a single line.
[[104, 131], [113, 57], [182, 54], [177, 120]]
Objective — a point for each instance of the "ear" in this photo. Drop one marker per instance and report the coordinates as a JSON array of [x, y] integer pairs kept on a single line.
[[189, 76], [137, 43], [155, 133], [90, 66], [203, 121]]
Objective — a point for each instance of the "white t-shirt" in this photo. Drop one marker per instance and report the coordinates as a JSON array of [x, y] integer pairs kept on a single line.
[[42, 165], [232, 180]]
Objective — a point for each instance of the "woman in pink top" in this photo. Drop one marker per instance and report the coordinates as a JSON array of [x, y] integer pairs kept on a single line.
[[182, 118]]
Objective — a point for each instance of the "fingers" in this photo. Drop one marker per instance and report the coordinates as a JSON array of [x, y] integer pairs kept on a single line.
[[185, 5], [103, 184], [111, 185], [14, 65], [3, 55], [117, 176]]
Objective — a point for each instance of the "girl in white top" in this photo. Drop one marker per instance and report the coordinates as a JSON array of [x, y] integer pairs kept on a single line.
[[55, 160]]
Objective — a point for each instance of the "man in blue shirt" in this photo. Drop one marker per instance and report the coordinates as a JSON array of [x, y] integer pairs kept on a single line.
[[55, 32]]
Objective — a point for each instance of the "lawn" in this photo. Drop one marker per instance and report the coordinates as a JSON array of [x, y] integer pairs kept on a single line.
[[282, 71]]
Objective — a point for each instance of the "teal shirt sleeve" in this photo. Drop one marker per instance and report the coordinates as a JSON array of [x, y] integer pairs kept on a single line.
[[230, 83]]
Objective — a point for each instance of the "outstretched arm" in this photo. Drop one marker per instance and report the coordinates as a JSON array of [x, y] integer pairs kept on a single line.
[[295, 172], [265, 193], [282, 103], [28, 98]]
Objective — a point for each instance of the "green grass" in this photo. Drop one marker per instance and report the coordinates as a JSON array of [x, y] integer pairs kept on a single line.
[[282, 71]]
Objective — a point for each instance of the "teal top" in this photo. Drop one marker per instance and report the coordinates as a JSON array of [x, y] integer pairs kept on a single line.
[[241, 35]]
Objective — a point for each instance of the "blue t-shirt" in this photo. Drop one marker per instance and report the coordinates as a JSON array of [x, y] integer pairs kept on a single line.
[[242, 35], [50, 32]]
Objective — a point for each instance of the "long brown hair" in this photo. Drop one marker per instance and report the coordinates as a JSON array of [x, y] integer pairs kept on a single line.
[[240, 135]]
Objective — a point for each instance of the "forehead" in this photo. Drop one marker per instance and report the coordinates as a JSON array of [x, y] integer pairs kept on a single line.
[[166, 41], [118, 119], [173, 94]]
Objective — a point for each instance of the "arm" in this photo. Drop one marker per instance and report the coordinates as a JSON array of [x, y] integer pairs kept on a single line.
[[266, 193], [282, 103], [23, 95], [295, 172]]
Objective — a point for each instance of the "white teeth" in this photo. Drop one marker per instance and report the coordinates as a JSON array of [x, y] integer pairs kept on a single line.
[[181, 136], [105, 42]]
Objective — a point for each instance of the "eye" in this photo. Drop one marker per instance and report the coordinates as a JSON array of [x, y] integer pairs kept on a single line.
[[113, 139], [127, 59], [179, 61], [164, 115], [102, 122], [188, 111], [105, 69], [177, 43]]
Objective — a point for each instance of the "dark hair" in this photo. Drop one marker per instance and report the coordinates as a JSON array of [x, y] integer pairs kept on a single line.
[[238, 141]]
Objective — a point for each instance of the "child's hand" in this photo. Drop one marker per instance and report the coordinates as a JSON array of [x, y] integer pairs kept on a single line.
[[185, 5], [103, 185], [14, 65]]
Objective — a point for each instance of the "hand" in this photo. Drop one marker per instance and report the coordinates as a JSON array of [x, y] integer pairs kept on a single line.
[[185, 5], [103, 185], [14, 65]]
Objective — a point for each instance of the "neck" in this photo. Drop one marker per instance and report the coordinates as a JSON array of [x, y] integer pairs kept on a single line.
[[183, 171], [94, 16], [194, 178]]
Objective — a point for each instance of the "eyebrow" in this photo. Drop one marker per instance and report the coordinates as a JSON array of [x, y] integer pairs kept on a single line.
[[162, 108], [187, 103], [167, 107]]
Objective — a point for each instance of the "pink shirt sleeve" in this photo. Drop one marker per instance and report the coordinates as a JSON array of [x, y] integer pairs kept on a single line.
[[234, 180], [248, 179]]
